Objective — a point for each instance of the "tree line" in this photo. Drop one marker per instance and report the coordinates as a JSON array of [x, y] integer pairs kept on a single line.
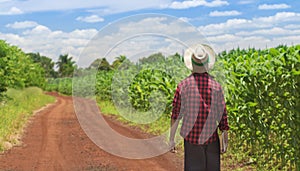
[[19, 69]]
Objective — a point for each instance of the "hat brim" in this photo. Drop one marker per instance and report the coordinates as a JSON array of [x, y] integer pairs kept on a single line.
[[199, 69]]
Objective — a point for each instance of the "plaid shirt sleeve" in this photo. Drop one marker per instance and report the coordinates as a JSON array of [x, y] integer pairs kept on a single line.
[[176, 104], [223, 125]]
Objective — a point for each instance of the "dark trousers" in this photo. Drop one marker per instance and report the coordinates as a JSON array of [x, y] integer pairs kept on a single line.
[[202, 157]]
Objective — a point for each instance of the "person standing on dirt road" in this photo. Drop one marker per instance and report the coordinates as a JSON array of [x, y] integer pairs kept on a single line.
[[199, 100]]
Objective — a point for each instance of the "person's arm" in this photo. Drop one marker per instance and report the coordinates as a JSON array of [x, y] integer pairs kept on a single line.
[[223, 125], [174, 126], [175, 118]]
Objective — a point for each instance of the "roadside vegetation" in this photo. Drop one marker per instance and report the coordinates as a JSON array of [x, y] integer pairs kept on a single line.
[[15, 112], [23, 78]]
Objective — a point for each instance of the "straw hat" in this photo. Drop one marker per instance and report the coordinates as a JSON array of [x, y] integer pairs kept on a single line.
[[199, 58]]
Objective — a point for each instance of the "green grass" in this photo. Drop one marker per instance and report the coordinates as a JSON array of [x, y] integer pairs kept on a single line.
[[15, 112], [160, 125], [107, 107]]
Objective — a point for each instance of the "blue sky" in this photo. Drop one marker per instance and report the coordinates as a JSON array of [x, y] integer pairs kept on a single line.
[[59, 27]]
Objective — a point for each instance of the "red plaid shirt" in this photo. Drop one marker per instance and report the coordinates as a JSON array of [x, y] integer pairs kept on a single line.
[[199, 99]]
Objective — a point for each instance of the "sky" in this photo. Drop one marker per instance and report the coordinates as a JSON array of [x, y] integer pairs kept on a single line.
[[95, 28]]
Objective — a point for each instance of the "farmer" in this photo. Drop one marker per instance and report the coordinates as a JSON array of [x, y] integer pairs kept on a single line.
[[199, 100]]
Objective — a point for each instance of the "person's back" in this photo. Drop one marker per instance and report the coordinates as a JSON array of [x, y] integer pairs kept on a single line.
[[199, 100], [200, 96]]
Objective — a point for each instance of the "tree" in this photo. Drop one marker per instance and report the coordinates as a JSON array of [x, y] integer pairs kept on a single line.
[[104, 65], [101, 64], [65, 66], [17, 70], [46, 63], [95, 63], [154, 58], [119, 60]]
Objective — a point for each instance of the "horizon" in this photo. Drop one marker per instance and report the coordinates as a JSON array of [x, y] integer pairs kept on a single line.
[[58, 27]]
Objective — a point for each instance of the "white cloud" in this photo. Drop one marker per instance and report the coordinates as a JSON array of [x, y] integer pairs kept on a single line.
[[234, 25], [273, 6], [12, 38], [223, 38], [246, 1], [185, 19], [155, 24], [228, 26], [279, 18], [38, 31], [216, 3], [232, 41], [12, 11], [267, 32], [196, 3], [224, 13], [51, 43], [90, 19], [144, 36], [22, 25], [83, 34], [261, 32], [190, 20], [292, 26], [288, 40]]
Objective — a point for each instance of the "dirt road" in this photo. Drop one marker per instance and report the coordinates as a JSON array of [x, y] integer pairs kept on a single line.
[[54, 140]]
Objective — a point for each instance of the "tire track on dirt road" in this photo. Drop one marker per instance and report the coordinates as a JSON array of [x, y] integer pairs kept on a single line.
[[54, 140]]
